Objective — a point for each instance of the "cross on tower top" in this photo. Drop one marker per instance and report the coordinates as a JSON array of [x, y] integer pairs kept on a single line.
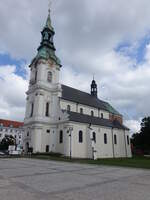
[[49, 6]]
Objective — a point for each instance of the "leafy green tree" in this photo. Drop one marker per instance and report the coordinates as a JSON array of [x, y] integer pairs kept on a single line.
[[6, 141], [141, 140]]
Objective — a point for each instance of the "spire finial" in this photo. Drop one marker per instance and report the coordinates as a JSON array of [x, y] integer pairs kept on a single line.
[[93, 76], [49, 6], [48, 21]]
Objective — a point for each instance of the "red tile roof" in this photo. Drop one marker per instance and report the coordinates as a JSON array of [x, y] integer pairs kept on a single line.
[[8, 123]]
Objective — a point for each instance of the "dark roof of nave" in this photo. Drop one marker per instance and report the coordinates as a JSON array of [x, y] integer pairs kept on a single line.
[[74, 95], [87, 119]]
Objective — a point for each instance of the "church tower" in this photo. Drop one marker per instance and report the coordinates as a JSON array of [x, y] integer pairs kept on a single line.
[[42, 103]]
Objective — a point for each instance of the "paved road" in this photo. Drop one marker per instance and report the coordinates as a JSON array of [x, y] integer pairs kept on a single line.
[[28, 179]]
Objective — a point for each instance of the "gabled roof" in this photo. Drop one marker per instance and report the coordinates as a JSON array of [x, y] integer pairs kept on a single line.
[[9, 123], [87, 119], [74, 95]]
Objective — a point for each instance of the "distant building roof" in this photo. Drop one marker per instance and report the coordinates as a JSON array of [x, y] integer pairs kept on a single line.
[[77, 117], [9, 123], [74, 95]]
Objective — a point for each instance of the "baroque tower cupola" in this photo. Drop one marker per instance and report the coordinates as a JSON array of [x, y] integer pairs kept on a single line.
[[46, 50], [94, 88], [47, 35]]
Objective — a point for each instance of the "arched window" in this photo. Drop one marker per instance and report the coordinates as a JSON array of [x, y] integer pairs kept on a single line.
[[49, 77], [102, 115], [128, 141], [80, 136], [115, 139], [47, 110], [32, 108], [35, 75], [68, 108], [46, 36], [94, 137], [81, 110], [47, 148], [105, 138], [61, 136], [92, 113]]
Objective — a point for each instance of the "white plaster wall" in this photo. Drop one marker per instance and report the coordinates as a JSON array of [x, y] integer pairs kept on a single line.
[[64, 104], [39, 138], [40, 93], [49, 138], [60, 146], [120, 147], [105, 114], [36, 139], [86, 109], [40, 97], [129, 153], [79, 150], [43, 70], [103, 150], [84, 150], [42, 86]]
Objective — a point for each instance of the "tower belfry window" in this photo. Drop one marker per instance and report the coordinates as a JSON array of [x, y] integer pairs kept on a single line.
[[46, 36], [47, 110], [32, 108], [49, 77], [35, 75]]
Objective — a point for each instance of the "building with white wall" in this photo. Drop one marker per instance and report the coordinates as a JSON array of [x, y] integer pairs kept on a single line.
[[14, 128], [62, 119]]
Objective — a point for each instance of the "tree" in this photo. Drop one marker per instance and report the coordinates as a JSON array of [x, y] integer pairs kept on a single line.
[[6, 141], [141, 140]]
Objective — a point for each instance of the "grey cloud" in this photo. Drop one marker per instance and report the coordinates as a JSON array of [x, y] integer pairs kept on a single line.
[[86, 34]]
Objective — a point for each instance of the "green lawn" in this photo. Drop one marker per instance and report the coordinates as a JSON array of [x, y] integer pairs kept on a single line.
[[135, 162]]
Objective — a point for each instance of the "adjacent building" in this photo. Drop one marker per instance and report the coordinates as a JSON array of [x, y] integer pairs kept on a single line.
[[14, 128]]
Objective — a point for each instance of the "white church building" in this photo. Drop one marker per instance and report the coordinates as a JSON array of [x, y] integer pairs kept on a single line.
[[66, 120]]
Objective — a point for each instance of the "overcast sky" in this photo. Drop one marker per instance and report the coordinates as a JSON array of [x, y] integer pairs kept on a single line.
[[107, 38]]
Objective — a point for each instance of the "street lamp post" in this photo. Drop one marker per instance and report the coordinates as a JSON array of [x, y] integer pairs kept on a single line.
[[70, 140]]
